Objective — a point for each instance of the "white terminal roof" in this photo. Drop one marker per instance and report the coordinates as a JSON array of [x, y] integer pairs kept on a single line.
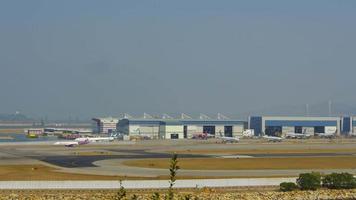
[[107, 120]]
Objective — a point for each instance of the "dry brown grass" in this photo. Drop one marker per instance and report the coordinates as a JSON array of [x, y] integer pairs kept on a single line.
[[263, 151], [204, 193], [347, 162], [41, 172], [10, 131]]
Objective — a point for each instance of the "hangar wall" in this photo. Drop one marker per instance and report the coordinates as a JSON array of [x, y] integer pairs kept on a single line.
[[237, 130], [174, 132], [177, 129], [282, 125]]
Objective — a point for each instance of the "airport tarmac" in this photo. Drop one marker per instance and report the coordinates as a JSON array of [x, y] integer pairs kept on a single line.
[[87, 161], [107, 158]]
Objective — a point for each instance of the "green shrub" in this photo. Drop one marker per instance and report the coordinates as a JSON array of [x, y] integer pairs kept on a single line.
[[309, 181], [288, 186], [339, 181]]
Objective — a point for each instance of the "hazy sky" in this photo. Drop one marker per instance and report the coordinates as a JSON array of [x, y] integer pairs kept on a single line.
[[96, 58]]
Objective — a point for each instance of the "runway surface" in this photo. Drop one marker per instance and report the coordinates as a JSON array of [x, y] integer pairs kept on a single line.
[[106, 159], [87, 161]]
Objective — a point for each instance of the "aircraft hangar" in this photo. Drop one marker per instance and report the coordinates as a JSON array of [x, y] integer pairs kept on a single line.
[[279, 126], [170, 128]]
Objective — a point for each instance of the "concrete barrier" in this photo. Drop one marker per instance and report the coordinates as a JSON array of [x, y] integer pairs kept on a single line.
[[144, 184]]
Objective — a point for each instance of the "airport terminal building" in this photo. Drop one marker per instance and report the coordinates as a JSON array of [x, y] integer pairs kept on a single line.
[[180, 128], [104, 125], [279, 126]]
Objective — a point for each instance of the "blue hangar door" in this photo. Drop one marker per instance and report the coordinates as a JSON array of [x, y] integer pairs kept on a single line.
[[228, 131], [209, 130]]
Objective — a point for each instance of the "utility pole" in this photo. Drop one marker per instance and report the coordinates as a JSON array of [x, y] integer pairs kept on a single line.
[[330, 103], [307, 109]]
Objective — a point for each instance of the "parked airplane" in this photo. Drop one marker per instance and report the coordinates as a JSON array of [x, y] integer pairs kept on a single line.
[[298, 135], [248, 133], [202, 136], [230, 139], [72, 143], [272, 138], [227, 139], [351, 134], [326, 135], [96, 139]]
